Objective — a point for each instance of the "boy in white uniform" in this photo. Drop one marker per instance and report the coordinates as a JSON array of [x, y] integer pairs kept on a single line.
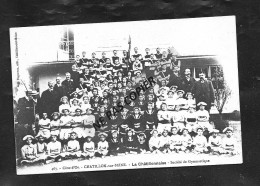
[[214, 142], [44, 126], [182, 102], [178, 118], [164, 141], [203, 117], [77, 124], [200, 142], [54, 149], [191, 120], [102, 148], [88, 148], [186, 140], [85, 104], [175, 140], [191, 102], [88, 121], [164, 119], [72, 149], [65, 125], [154, 142], [229, 142], [171, 101]]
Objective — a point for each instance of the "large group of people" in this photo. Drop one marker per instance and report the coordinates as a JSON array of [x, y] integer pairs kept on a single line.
[[170, 116]]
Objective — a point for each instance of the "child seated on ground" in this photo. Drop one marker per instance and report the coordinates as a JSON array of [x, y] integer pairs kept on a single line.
[[114, 143], [186, 140], [165, 141], [29, 151], [175, 140], [88, 148], [41, 147], [200, 142], [154, 142], [229, 142], [142, 143], [214, 142], [72, 149], [130, 142], [54, 149], [102, 148]]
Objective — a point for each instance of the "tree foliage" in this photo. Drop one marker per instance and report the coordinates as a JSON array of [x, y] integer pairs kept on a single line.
[[222, 90]]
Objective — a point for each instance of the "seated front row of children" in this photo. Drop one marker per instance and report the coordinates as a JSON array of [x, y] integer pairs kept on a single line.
[[166, 142]]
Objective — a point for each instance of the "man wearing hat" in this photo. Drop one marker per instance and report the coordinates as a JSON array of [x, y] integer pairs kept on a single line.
[[50, 100], [27, 109], [29, 151], [203, 91]]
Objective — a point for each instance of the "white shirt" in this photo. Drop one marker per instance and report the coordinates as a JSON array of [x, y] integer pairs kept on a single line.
[[102, 145], [203, 115], [164, 140], [73, 144], [175, 139], [54, 147], [154, 142], [200, 141], [88, 146], [214, 142], [64, 106]]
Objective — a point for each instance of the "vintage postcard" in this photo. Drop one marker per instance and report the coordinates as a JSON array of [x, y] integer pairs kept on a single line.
[[126, 95]]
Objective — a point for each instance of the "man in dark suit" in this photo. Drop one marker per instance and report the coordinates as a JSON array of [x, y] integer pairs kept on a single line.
[[59, 88], [69, 85], [49, 100], [175, 79], [187, 81], [203, 91], [27, 109]]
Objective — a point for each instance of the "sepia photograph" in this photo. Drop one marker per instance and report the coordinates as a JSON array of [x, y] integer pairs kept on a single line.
[[126, 95]]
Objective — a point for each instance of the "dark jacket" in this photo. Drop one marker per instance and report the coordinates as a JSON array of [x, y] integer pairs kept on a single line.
[[204, 92]]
